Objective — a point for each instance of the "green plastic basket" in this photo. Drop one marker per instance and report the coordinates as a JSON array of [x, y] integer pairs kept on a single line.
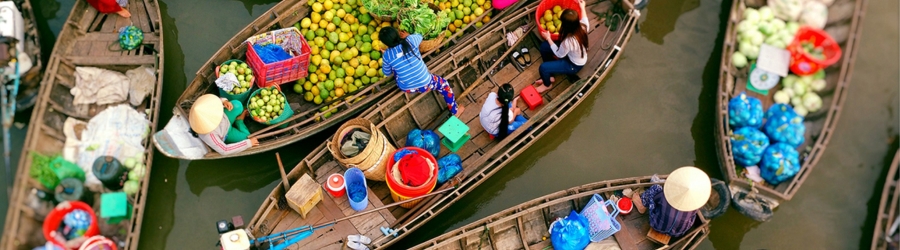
[[242, 97], [288, 112]]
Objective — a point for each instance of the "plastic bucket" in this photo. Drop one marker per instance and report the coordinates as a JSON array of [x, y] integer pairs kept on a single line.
[[400, 191], [335, 185], [804, 64], [110, 172], [242, 97], [55, 217], [548, 5], [624, 205], [286, 113], [355, 179]]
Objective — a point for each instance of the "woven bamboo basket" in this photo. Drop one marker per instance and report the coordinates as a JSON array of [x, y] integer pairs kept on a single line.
[[382, 18], [370, 159], [429, 45]]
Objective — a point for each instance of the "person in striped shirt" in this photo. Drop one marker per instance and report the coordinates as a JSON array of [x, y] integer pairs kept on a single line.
[[403, 60], [213, 120]]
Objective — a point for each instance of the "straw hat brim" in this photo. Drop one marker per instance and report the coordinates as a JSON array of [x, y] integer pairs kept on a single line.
[[687, 188], [206, 114]]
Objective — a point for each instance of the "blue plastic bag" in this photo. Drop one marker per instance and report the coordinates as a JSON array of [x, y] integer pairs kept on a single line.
[[784, 125], [401, 153], [780, 162], [271, 53], [748, 145], [448, 166], [745, 111], [570, 233], [424, 139]]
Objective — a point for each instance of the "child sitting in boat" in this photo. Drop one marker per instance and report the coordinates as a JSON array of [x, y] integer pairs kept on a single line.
[[673, 208], [111, 6], [571, 54], [403, 60], [212, 119], [500, 116]]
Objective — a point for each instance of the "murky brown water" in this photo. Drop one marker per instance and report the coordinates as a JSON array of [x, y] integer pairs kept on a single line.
[[653, 115]]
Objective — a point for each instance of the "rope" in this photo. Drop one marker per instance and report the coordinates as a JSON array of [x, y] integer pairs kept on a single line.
[[612, 23], [483, 234]]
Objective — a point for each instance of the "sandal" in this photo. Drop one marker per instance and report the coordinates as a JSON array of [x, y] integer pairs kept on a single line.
[[526, 56], [519, 58]]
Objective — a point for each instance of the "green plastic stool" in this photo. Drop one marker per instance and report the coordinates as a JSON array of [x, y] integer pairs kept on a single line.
[[455, 133], [115, 207]]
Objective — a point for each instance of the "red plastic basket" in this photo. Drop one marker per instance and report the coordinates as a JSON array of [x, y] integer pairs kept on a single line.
[[284, 71], [55, 217], [548, 5], [804, 64], [405, 190]]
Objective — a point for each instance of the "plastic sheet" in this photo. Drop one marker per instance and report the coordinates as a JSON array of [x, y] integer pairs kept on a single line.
[[448, 166], [745, 111], [784, 125], [779, 163], [424, 139], [570, 233], [271, 53], [748, 145]]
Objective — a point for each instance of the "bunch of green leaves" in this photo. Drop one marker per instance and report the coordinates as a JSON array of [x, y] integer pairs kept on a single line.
[[388, 7], [40, 170], [422, 20]]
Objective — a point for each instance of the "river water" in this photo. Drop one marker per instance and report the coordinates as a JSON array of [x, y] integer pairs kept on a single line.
[[654, 114]]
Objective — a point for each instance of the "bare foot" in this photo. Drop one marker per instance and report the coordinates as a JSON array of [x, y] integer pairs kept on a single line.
[[459, 109], [124, 13], [541, 81], [541, 88]]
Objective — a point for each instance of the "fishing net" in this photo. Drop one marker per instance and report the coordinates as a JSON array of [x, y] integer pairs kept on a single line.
[[745, 111], [779, 163], [748, 145]]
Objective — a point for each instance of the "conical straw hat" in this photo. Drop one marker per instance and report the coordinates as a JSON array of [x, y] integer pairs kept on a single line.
[[687, 188], [206, 114]]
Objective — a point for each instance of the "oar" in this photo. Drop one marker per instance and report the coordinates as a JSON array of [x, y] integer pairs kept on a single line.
[[304, 229]]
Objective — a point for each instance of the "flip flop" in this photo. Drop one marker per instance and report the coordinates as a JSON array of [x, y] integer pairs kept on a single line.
[[526, 56]]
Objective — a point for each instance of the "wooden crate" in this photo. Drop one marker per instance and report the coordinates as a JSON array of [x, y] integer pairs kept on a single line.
[[304, 195]]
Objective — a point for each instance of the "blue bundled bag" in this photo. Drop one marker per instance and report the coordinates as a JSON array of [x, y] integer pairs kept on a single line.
[[748, 145], [271, 53], [424, 139], [570, 233], [779, 163], [448, 166], [784, 125], [745, 111]]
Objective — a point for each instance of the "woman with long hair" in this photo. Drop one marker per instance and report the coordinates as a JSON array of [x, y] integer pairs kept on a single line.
[[403, 60], [572, 52], [499, 116]]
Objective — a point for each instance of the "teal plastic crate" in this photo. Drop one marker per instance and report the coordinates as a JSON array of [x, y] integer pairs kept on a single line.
[[115, 207], [455, 133]]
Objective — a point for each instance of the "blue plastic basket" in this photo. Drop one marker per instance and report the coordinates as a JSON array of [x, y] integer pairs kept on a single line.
[[602, 223], [354, 177]]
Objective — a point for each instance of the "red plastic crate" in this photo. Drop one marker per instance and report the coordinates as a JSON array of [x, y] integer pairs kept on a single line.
[[284, 71], [531, 97], [548, 5]]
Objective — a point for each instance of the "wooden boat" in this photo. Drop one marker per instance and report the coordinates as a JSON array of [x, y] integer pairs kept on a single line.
[[526, 226], [307, 119], [886, 234], [466, 69], [31, 46], [84, 41], [843, 25]]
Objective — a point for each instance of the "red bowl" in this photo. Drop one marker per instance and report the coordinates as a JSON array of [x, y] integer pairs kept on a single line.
[[624, 204]]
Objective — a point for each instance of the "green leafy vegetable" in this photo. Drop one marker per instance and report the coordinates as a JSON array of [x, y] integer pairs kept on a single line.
[[422, 20]]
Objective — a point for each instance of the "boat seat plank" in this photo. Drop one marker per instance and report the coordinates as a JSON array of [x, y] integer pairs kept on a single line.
[[478, 240], [106, 60], [111, 37], [534, 227], [506, 235]]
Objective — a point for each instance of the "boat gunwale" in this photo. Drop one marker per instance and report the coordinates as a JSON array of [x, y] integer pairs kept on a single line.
[[889, 192], [70, 32], [571, 194], [727, 81]]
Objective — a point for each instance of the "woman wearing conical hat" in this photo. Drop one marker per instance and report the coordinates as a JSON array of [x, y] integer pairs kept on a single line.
[[673, 208], [213, 120]]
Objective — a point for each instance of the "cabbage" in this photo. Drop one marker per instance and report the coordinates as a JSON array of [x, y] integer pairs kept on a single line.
[[819, 75], [739, 59], [801, 111], [130, 162], [812, 101], [137, 173], [749, 50], [789, 91], [745, 26], [796, 100], [788, 10], [777, 24], [782, 97], [765, 13], [131, 187], [818, 85], [799, 88], [788, 81], [756, 37], [766, 28], [793, 27], [751, 15]]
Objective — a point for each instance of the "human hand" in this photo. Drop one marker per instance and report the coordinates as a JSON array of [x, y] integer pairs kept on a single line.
[[403, 34], [546, 35], [253, 141], [227, 105]]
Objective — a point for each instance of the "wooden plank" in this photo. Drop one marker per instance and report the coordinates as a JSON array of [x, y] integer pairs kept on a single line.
[[113, 60], [111, 37]]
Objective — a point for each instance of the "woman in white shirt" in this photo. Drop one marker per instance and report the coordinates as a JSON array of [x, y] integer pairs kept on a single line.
[[499, 116], [571, 54]]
